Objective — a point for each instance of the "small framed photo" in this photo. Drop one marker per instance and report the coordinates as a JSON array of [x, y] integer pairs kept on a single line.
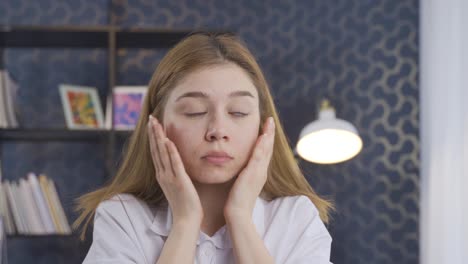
[[127, 104], [81, 106]]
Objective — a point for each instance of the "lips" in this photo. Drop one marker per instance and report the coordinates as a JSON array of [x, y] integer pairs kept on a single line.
[[217, 157]]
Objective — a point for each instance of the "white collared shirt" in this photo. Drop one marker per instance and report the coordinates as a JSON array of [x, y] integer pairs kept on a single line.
[[127, 230]]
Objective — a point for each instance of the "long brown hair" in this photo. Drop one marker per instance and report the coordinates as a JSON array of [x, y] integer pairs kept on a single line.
[[136, 175]]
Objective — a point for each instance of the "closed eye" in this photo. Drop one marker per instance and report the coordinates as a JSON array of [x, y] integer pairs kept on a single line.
[[238, 114], [195, 114]]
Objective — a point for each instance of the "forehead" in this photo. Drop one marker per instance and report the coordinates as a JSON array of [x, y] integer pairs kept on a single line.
[[216, 82]]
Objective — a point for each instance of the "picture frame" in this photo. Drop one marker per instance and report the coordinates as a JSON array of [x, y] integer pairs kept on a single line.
[[81, 106], [127, 102]]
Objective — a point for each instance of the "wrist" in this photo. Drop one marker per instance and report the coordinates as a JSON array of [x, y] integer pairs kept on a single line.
[[187, 225], [236, 212], [187, 220], [237, 216]]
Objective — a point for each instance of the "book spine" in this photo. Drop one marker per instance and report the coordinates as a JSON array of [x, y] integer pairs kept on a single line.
[[30, 212], [34, 209], [44, 211], [6, 210], [13, 207], [11, 89], [3, 120], [20, 201], [50, 205], [16, 202], [60, 211]]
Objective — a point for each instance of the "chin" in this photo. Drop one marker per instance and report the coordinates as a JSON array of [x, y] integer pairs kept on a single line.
[[213, 177]]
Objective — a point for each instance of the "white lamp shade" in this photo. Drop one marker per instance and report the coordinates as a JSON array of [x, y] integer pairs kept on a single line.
[[328, 140]]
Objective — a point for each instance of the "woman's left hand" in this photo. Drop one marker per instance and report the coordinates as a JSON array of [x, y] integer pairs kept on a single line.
[[252, 178]]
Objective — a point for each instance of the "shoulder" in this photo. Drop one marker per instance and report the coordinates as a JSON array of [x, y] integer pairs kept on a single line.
[[296, 212], [294, 232], [292, 204], [122, 206], [119, 227]]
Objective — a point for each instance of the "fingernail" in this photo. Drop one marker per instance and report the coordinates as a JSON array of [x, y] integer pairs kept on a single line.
[[272, 123]]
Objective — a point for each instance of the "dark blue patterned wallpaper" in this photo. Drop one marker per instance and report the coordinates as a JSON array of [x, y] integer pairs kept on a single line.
[[361, 54]]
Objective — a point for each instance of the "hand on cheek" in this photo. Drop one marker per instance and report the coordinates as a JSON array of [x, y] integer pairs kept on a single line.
[[252, 178], [172, 177]]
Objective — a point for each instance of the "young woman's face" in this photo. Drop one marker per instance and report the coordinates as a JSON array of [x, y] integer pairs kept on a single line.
[[213, 118]]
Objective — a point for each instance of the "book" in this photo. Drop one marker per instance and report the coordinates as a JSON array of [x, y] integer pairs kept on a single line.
[[14, 202], [23, 208], [11, 91], [22, 202], [3, 120], [8, 95], [50, 204], [126, 105], [31, 212], [39, 200], [6, 210], [58, 206]]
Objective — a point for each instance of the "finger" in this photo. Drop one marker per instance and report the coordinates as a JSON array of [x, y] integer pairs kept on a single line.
[[260, 150], [176, 161], [163, 154], [256, 156], [264, 147], [153, 146], [269, 126], [271, 137], [154, 125]]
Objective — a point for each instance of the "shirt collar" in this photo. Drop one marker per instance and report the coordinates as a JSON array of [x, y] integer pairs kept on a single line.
[[162, 224]]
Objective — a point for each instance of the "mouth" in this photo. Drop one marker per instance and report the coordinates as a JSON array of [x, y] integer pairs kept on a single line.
[[217, 158]]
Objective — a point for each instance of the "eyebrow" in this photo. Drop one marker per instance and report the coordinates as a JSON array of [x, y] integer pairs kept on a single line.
[[204, 95]]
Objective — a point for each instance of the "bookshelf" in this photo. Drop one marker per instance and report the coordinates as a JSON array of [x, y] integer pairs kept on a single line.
[[88, 37], [111, 39], [13, 134]]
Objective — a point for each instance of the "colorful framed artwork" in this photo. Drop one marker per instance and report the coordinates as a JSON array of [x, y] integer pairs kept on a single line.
[[81, 106], [127, 104]]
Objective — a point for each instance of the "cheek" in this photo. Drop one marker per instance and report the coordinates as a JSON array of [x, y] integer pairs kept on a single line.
[[248, 140], [174, 133], [181, 136]]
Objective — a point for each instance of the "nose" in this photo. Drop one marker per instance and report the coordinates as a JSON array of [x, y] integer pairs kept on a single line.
[[216, 129]]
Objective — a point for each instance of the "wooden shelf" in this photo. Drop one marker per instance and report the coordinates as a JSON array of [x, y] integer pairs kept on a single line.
[[44, 134], [89, 37], [148, 38], [53, 37]]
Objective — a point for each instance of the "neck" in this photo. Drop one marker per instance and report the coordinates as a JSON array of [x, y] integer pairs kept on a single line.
[[213, 198]]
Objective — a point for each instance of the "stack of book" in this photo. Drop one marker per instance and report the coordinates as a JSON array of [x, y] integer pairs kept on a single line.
[[8, 93], [32, 207]]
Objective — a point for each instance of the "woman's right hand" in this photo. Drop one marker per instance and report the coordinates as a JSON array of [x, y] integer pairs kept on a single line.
[[171, 176]]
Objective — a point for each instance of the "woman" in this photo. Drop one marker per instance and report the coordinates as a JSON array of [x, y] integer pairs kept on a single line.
[[208, 175]]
